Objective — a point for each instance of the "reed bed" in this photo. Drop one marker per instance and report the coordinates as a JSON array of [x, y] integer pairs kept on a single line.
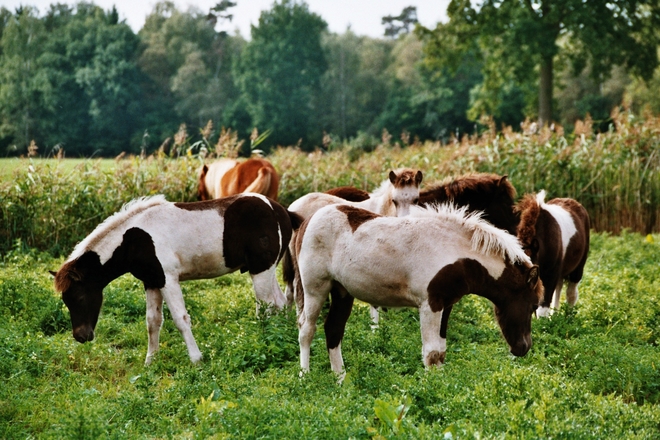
[[615, 175]]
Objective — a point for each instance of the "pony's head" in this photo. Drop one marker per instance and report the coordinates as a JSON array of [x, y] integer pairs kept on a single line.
[[515, 303], [405, 189], [202, 193], [82, 293]]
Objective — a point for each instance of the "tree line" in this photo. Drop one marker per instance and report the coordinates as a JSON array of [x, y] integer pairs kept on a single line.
[[77, 79]]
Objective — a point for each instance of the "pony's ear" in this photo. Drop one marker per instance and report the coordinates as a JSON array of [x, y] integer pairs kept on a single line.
[[392, 177], [533, 275], [502, 179], [418, 177], [52, 272]]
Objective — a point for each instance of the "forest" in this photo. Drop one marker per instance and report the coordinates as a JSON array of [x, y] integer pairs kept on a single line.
[[77, 81]]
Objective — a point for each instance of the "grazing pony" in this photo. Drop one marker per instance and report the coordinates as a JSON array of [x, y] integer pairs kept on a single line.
[[555, 234], [492, 194], [427, 260], [394, 197], [162, 243], [226, 177]]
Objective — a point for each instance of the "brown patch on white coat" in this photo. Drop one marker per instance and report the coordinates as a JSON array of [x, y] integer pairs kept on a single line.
[[356, 254], [227, 177], [163, 243]]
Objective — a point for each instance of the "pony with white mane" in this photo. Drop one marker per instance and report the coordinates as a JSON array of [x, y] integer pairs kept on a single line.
[[395, 196], [163, 243], [428, 260]]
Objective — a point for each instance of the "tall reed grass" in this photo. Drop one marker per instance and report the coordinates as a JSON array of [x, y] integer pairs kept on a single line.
[[615, 175]]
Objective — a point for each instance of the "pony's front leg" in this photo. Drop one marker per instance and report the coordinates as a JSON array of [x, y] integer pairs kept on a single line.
[[434, 346], [174, 298], [154, 321], [267, 289]]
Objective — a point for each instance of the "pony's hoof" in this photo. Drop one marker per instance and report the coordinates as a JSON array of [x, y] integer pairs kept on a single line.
[[435, 358], [196, 359]]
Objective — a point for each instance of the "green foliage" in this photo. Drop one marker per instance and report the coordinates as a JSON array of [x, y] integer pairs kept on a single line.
[[592, 372], [280, 70]]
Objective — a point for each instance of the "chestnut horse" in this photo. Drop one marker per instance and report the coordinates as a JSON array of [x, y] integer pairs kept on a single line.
[[226, 177], [163, 243], [355, 253], [555, 234]]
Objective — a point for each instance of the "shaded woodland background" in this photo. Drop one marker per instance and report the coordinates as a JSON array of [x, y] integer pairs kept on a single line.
[[79, 80]]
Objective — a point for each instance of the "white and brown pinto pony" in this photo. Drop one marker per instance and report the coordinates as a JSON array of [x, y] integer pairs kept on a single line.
[[555, 234], [395, 196], [226, 177], [163, 243], [427, 260]]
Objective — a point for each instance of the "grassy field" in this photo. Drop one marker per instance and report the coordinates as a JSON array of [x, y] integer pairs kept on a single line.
[[593, 371]]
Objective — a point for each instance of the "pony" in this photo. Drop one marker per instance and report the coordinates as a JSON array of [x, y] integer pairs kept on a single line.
[[491, 194], [354, 253], [163, 243], [226, 177], [555, 234], [394, 197]]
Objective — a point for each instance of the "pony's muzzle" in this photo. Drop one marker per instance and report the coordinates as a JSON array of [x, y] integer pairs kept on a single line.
[[83, 334], [522, 347]]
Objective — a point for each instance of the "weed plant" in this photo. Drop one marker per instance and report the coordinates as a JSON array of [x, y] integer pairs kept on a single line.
[[592, 372], [615, 175]]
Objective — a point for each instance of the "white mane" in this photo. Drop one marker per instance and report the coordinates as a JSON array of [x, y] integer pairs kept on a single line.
[[486, 238], [540, 198], [109, 224], [384, 188]]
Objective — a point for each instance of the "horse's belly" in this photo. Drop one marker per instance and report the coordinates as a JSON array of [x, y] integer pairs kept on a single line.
[[197, 267], [383, 292]]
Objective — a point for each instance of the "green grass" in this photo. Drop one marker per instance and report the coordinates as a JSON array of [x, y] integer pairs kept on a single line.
[[593, 371]]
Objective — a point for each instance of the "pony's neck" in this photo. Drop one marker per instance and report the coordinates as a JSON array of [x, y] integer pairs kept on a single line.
[[381, 201]]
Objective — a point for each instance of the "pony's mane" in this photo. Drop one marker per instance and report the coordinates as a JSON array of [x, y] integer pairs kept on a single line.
[[486, 238], [529, 208], [127, 211], [478, 182], [384, 188]]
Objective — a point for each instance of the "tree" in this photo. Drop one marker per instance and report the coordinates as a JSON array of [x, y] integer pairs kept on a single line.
[[279, 73], [400, 24], [522, 39]]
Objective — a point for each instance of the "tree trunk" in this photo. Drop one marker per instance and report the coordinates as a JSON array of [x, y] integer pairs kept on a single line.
[[545, 92]]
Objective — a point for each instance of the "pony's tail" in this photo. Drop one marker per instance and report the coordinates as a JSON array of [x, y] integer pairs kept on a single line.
[[263, 182]]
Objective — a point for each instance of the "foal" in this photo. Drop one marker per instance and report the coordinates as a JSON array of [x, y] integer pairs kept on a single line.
[[162, 243], [555, 234], [353, 253]]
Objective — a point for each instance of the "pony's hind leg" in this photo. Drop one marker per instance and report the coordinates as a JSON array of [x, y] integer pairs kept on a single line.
[[154, 321], [556, 297], [335, 324], [174, 298], [309, 316], [572, 293]]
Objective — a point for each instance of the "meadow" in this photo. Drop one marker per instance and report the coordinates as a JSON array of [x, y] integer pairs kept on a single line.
[[593, 371]]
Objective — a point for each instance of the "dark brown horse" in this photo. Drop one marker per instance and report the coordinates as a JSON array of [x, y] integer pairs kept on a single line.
[[555, 234]]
